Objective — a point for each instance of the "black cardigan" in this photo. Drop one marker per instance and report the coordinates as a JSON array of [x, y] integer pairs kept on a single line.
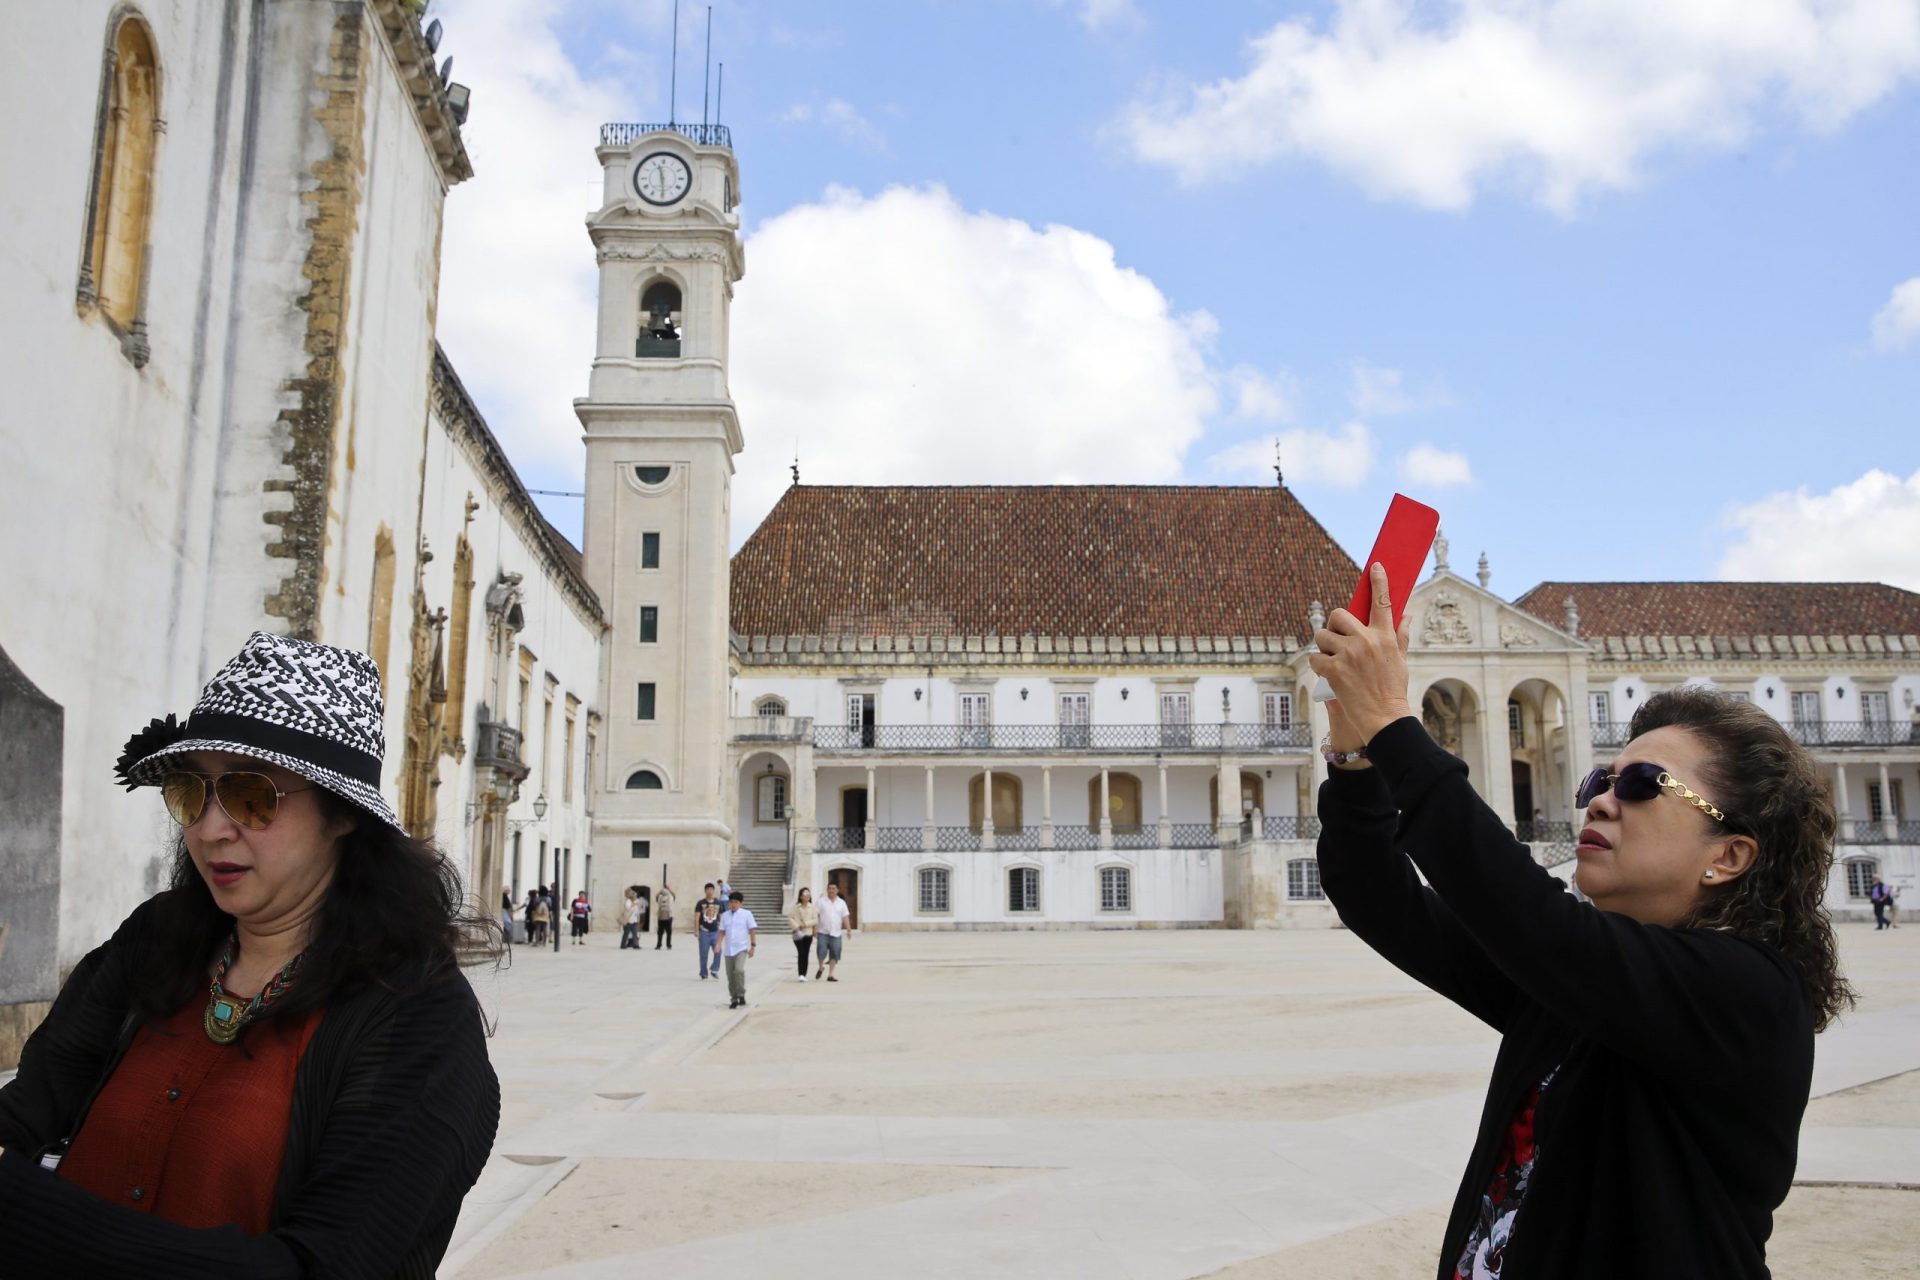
[[394, 1111], [1670, 1132]]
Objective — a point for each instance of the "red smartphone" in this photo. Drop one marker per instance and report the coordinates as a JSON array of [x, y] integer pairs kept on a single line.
[[1406, 536]]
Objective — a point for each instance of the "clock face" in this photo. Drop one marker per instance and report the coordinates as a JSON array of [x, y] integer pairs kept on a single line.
[[662, 178]]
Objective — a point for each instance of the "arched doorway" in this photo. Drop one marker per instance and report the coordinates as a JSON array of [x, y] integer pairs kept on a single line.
[[1538, 746], [1450, 710], [32, 739]]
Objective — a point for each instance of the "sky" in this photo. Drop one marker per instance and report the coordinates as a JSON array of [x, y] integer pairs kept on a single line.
[[1626, 289]]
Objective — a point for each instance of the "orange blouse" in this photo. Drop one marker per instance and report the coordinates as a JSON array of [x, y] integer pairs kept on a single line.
[[190, 1130]]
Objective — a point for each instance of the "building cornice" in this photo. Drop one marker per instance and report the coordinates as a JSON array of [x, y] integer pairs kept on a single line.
[[1022, 651], [399, 21]]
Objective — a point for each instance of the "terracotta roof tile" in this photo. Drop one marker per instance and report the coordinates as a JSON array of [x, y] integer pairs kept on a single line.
[[1729, 608], [1063, 560]]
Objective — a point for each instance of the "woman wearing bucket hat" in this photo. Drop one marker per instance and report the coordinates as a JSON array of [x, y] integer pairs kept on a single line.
[[274, 1067]]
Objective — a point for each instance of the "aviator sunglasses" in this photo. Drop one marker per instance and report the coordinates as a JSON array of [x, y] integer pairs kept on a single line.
[[1637, 782], [250, 799]]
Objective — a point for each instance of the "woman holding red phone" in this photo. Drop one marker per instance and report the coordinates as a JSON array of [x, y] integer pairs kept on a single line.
[[1657, 1045]]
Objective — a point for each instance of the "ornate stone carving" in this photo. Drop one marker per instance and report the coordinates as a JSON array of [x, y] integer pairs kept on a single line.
[[1446, 622], [1512, 636], [660, 253]]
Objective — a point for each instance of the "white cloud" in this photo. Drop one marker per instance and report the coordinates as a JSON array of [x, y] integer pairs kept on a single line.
[[1868, 530], [842, 118], [1095, 14], [1431, 467], [518, 285], [1262, 397], [1898, 323], [1432, 100], [943, 345], [1341, 459]]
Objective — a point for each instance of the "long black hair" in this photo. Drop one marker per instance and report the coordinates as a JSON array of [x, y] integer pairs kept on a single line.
[[394, 916]]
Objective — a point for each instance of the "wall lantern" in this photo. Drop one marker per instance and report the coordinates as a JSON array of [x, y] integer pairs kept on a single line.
[[1769, 692], [540, 805], [1023, 695], [1123, 693], [917, 693]]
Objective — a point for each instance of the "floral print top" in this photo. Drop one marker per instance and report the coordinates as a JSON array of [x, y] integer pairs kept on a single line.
[[1487, 1241]]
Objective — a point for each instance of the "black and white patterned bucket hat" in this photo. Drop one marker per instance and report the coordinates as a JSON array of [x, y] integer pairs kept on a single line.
[[313, 709]]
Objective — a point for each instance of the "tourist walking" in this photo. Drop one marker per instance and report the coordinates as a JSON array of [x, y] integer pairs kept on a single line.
[[739, 931], [542, 916], [1879, 897], [663, 918], [506, 916], [580, 913], [706, 919], [1657, 1045], [805, 921], [630, 922], [836, 918], [274, 1067]]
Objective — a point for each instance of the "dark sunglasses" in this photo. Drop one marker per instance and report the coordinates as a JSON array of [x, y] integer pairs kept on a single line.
[[250, 799], [1637, 782]]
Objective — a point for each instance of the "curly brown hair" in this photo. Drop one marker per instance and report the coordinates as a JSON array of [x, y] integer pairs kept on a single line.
[[1770, 789]]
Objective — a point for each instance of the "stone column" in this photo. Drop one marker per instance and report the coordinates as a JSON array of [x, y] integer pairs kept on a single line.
[[803, 800], [1229, 790], [1106, 811], [986, 807], [1496, 777], [1166, 818], [929, 836], [1046, 806], [873, 807], [1841, 804], [1319, 723], [1889, 824]]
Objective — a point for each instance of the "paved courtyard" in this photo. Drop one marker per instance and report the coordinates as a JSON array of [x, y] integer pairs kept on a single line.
[[1064, 1104]]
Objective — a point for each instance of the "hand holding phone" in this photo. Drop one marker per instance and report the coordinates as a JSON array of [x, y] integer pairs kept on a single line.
[[1405, 538]]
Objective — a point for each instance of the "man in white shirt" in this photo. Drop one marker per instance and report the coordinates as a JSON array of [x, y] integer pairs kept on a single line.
[[739, 931], [834, 915]]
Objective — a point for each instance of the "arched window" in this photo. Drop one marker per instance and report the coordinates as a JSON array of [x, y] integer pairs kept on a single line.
[[644, 780], [659, 320], [1006, 802], [1303, 881], [1860, 876], [112, 272], [771, 708], [1123, 802]]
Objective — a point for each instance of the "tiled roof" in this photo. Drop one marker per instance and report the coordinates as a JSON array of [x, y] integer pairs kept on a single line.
[[1079, 560], [1729, 608]]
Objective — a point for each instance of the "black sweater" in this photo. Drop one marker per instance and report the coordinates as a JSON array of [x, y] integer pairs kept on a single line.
[[393, 1115], [1670, 1132]]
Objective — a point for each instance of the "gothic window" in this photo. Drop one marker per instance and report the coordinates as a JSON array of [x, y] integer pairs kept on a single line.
[[659, 320], [644, 780], [120, 204]]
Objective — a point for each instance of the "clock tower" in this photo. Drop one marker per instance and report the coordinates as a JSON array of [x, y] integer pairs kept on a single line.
[[661, 434]]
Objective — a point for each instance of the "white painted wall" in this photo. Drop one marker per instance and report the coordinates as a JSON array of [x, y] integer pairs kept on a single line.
[[1181, 886]]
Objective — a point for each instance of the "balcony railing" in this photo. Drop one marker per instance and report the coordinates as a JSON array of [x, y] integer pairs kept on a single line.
[[1194, 835], [838, 738], [772, 728], [897, 839], [1136, 837], [1289, 828], [955, 839], [1543, 832], [1075, 837], [498, 747], [1843, 734], [1017, 838], [701, 135], [835, 839]]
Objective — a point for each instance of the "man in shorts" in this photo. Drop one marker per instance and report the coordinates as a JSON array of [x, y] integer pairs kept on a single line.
[[834, 917]]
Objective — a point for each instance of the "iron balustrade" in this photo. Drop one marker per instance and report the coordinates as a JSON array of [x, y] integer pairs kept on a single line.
[[1610, 735], [1289, 827], [701, 135], [956, 839], [498, 747], [1136, 837], [897, 839], [834, 738], [1194, 835], [1553, 855], [1845, 734], [834, 839], [1075, 838], [1906, 833], [1544, 832]]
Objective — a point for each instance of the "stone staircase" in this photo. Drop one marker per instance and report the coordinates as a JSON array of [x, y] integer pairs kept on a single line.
[[759, 876]]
